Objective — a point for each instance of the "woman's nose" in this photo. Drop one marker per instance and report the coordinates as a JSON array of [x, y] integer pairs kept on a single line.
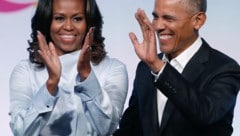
[[68, 25]]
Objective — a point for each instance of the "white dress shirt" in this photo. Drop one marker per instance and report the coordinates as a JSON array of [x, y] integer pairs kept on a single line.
[[91, 107], [179, 64]]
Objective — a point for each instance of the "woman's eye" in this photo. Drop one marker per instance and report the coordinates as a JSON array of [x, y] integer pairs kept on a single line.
[[58, 18], [77, 19]]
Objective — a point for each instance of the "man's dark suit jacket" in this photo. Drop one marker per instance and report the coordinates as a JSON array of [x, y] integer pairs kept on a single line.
[[200, 101]]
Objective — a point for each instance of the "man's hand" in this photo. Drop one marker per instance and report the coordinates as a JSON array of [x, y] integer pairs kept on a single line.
[[147, 50]]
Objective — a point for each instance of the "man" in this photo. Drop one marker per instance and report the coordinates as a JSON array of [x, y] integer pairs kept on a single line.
[[190, 89]]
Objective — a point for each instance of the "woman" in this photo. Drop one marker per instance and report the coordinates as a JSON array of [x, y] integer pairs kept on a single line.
[[68, 86]]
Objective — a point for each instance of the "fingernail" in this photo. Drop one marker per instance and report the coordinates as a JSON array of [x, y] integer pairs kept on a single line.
[[38, 32]]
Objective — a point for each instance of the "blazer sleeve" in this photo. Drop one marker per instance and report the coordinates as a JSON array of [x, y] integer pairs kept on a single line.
[[207, 99]]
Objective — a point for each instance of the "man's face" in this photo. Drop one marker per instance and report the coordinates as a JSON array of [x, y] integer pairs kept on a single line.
[[174, 25]]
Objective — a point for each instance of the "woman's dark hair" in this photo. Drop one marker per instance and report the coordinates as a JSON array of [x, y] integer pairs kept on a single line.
[[42, 19]]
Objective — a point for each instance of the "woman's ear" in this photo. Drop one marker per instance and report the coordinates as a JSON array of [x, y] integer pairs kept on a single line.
[[199, 20]]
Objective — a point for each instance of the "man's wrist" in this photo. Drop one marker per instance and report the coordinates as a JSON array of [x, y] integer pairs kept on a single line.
[[157, 67]]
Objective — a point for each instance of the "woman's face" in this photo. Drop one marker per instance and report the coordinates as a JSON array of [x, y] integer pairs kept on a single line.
[[68, 27]]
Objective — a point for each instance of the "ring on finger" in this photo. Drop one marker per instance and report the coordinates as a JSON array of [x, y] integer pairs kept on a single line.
[[90, 48]]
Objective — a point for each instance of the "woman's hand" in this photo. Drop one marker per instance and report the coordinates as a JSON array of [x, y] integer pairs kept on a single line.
[[83, 66], [50, 58]]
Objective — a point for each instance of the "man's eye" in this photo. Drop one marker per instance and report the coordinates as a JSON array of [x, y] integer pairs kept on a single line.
[[155, 17], [169, 18]]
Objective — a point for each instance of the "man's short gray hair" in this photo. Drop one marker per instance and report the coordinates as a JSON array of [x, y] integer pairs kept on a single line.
[[195, 5]]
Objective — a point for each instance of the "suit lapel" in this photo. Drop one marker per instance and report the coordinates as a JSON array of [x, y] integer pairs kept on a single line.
[[190, 74], [196, 65], [168, 110]]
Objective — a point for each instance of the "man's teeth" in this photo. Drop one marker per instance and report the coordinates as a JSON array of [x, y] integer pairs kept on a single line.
[[163, 37]]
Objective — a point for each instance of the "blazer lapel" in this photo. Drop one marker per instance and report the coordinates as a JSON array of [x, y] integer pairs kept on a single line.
[[190, 74], [168, 110], [196, 65]]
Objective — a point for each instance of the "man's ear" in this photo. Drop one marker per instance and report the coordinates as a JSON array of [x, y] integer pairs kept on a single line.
[[199, 20]]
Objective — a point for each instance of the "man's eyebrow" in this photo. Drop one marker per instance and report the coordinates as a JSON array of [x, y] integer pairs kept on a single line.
[[154, 14]]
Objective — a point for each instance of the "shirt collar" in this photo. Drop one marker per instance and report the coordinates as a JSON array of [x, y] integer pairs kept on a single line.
[[182, 59]]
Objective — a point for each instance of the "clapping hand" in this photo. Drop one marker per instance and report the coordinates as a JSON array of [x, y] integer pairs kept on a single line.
[[83, 66], [50, 58]]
